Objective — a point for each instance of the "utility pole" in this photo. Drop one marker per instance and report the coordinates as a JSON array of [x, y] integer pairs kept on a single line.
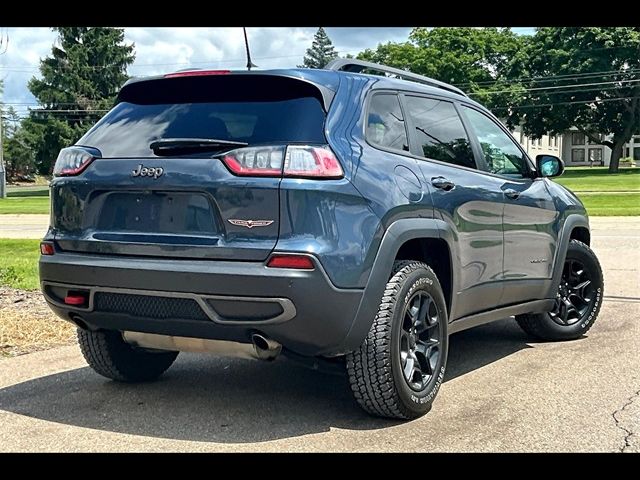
[[3, 174]]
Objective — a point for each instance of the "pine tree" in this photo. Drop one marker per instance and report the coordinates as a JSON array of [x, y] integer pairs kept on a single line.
[[321, 51], [80, 81]]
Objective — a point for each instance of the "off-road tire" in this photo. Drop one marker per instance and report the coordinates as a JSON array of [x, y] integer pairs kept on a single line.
[[375, 371], [108, 354], [543, 327]]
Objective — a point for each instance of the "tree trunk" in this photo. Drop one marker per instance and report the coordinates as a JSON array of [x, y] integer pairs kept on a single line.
[[616, 153]]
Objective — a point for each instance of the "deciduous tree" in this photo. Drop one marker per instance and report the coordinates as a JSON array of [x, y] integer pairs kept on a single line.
[[479, 60], [586, 77]]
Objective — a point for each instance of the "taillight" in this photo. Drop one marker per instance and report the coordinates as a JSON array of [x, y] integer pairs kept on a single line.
[[255, 161], [73, 160], [304, 161], [300, 161]]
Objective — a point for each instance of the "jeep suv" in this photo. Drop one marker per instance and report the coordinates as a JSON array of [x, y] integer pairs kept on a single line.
[[343, 218]]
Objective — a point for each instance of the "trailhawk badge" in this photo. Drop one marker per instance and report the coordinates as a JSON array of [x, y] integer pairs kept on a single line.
[[250, 223]]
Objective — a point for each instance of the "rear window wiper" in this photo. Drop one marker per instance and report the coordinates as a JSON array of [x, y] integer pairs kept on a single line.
[[167, 146]]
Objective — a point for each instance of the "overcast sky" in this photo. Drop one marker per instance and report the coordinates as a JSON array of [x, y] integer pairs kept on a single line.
[[160, 50]]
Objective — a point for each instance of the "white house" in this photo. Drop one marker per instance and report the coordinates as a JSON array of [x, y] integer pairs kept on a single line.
[[574, 148]]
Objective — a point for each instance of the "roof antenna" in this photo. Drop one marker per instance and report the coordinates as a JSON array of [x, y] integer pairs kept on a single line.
[[246, 44]]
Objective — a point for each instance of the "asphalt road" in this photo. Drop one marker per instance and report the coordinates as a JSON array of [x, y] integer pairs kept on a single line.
[[23, 226], [502, 392]]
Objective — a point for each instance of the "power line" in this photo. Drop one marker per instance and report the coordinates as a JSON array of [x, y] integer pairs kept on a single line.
[[80, 113], [58, 113], [563, 92], [29, 68], [551, 78], [616, 99], [46, 110], [66, 114], [556, 87], [28, 104]]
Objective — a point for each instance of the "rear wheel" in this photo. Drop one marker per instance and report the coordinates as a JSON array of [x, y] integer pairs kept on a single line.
[[108, 354], [399, 368], [577, 302]]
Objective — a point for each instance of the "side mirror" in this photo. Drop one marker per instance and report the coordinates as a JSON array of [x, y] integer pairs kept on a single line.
[[549, 166]]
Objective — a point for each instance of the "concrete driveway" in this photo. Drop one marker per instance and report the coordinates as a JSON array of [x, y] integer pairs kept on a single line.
[[503, 392]]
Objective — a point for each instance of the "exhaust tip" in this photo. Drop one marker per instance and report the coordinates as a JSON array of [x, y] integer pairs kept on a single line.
[[78, 321], [266, 349], [260, 342]]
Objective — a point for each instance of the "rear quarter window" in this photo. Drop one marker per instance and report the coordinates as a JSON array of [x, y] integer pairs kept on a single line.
[[385, 123]]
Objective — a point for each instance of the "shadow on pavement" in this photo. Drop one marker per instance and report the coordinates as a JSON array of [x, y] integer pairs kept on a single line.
[[231, 401], [472, 349]]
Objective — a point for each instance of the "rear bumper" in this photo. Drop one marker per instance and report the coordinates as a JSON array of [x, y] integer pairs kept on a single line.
[[223, 300]]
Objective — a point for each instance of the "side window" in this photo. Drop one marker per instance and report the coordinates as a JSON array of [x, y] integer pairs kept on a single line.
[[502, 155], [385, 124], [439, 131]]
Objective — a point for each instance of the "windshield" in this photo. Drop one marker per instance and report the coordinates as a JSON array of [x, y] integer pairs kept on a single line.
[[129, 129]]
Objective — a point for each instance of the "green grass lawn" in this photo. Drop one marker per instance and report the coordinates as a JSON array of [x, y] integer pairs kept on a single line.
[[611, 204], [597, 179], [19, 263], [30, 191], [596, 187], [24, 205]]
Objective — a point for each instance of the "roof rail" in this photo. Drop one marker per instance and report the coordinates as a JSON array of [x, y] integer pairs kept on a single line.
[[357, 66]]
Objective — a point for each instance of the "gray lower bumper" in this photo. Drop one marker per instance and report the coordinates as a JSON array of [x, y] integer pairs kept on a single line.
[[313, 317]]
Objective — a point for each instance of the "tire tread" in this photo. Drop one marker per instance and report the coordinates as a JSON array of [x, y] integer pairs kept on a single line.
[[369, 367], [109, 355]]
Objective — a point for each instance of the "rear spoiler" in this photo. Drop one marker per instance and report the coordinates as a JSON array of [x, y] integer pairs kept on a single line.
[[215, 85]]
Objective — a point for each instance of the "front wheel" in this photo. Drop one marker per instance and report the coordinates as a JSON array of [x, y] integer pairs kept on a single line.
[[578, 299], [398, 369]]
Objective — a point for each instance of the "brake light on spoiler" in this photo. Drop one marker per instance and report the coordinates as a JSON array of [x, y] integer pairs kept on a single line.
[[197, 73]]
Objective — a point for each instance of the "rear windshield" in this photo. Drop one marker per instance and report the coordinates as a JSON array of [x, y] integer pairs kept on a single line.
[[130, 127]]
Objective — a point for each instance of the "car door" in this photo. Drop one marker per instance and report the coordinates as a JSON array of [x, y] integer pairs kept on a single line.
[[468, 200], [390, 175], [530, 216]]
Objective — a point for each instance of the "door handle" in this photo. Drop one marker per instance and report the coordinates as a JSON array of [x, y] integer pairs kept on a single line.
[[512, 194], [442, 183]]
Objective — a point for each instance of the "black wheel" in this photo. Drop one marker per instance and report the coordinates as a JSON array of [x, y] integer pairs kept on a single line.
[[577, 302], [109, 355], [398, 369]]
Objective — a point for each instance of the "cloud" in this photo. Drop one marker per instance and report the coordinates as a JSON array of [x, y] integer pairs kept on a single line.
[[161, 50], [19, 63]]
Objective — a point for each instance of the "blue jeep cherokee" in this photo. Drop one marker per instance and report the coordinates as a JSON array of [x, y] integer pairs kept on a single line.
[[331, 215]]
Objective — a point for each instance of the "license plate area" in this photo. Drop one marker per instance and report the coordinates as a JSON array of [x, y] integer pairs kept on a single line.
[[181, 213]]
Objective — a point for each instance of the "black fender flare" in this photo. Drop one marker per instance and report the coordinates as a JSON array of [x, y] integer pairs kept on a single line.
[[394, 237], [572, 221]]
